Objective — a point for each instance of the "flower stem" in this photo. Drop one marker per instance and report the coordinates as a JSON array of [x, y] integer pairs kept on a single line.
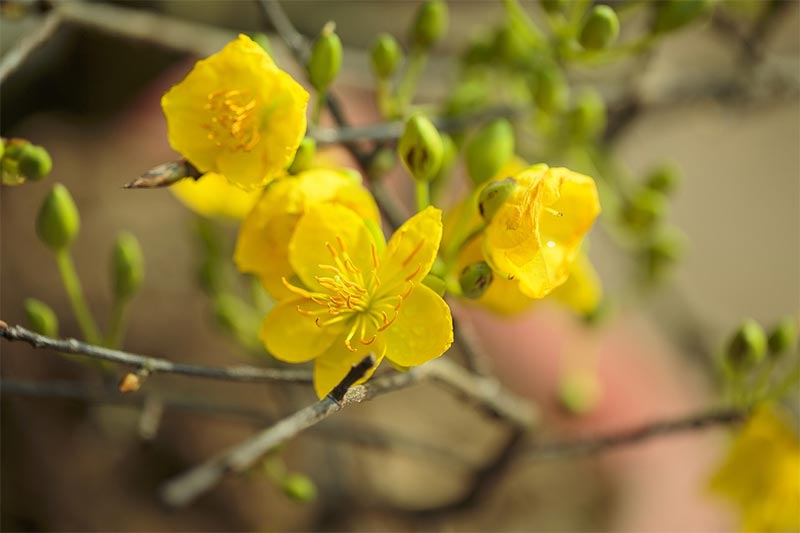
[[72, 284], [117, 326], [319, 104], [423, 195], [408, 84]]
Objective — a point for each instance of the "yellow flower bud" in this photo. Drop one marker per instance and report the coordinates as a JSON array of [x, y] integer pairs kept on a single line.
[[420, 148], [663, 178], [475, 279], [675, 14], [494, 195], [326, 58], [127, 266], [58, 221], [304, 157], [587, 119], [747, 347], [299, 487], [430, 24], [435, 283], [601, 29], [385, 56], [550, 91], [41, 317], [34, 162], [783, 337], [489, 149]]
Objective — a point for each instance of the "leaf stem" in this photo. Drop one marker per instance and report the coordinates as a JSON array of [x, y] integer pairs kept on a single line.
[[72, 284]]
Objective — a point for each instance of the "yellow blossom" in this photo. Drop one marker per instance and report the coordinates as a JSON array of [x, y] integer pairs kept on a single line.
[[213, 196], [536, 234], [359, 295], [761, 474], [263, 244], [236, 113]]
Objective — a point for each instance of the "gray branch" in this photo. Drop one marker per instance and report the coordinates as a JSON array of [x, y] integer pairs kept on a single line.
[[20, 52], [153, 364]]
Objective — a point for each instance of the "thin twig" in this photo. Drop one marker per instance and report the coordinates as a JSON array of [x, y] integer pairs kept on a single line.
[[153, 364], [638, 435], [188, 486], [20, 52]]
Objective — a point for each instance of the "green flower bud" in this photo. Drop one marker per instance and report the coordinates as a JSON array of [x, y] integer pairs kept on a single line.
[[304, 157], [674, 14], [299, 487], [489, 149], [783, 338], [58, 221], [430, 24], [420, 148], [41, 318], [587, 119], [747, 347], [645, 209], [494, 195], [663, 178], [579, 392], [510, 46], [383, 161], [475, 279], [553, 6], [385, 56], [550, 90], [449, 153], [662, 252], [601, 29], [127, 266], [466, 97], [2, 147], [34, 162], [435, 283], [326, 58]]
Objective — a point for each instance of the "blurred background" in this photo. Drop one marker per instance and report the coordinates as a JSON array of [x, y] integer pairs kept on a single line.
[[91, 97]]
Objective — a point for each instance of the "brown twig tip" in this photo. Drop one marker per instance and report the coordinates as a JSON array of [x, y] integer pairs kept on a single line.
[[357, 372], [164, 175], [3, 325]]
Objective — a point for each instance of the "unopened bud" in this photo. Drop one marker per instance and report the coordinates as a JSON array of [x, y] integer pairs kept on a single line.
[[304, 157], [34, 162], [420, 148], [466, 97], [645, 208], [326, 58], [130, 382], [2, 147], [747, 347], [510, 46], [601, 29], [299, 487], [449, 153], [675, 14], [494, 195], [579, 392], [430, 24], [550, 90], [41, 318], [663, 178], [587, 119], [435, 283], [489, 149], [383, 161], [783, 337], [554, 6], [475, 279], [385, 56], [58, 221], [662, 252], [127, 266]]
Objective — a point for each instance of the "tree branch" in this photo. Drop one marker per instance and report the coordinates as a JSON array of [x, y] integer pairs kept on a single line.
[[153, 364], [19, 53]]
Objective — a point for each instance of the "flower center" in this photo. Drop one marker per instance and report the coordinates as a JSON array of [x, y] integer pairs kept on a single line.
[[233, 120]]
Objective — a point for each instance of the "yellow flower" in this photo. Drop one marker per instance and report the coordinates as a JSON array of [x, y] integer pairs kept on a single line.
[[761, 474], [536, 234], [263, 244], [213, 196], [237, 114], [359, 295]]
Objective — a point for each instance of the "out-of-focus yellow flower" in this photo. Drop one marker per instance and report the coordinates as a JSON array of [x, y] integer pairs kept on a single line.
[[263, 244], [761, 474], [536, 234], [213, 196], [359, 295], [237, 114]]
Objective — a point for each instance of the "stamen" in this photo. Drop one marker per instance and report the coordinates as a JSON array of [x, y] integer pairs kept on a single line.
[[341, 243], [370, 341], [414, 274], [331, 250], [554, 212], [408, 259], [386, 321], [374, 255]]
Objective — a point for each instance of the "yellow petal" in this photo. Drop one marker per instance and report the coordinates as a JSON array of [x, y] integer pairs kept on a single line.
[[333, 365], [327, 232], [422, 331], [213, 196], [582, 291], [293, 337], [411, 251]]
